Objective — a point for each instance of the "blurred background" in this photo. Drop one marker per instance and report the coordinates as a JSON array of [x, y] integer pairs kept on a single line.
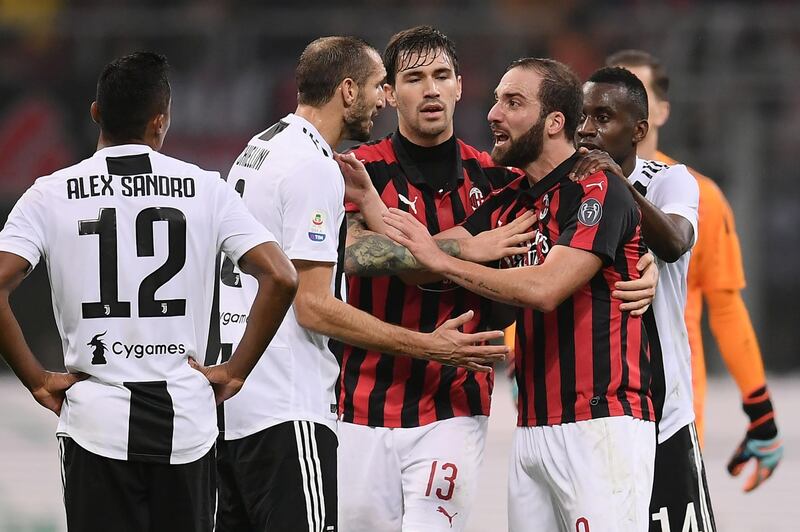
[[735, 117]]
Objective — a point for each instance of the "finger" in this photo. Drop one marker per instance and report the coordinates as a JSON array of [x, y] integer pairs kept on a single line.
[[511, 251], [637, 312], [400, 238], [458, 321], [634, 284], [644, 261], [524, 237], [759, 476], [633, 295], [483, 336], [486, 353], [472, 366], [197, 366]]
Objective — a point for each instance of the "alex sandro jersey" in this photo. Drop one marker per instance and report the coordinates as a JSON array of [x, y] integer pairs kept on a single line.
[[130, 238]]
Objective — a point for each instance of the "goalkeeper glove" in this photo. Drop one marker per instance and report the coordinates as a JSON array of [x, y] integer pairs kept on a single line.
[[761, 441]]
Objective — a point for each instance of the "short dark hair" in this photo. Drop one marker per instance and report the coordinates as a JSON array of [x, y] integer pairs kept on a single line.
[[640, 58], [326, 62], [560, 90], [131, 90], [622, 77], [421, 41]]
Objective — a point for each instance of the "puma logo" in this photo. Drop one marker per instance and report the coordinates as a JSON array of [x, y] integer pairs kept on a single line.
[[598, 184], [447, 515], [411, 204]]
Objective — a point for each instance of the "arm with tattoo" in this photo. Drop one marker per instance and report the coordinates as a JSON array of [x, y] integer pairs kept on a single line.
[[370, 254]]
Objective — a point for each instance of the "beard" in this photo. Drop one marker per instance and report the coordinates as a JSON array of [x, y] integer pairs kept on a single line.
[[524, 150], [356, 122]]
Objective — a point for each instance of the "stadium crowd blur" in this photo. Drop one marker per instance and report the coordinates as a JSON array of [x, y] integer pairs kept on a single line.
[[735, 104]]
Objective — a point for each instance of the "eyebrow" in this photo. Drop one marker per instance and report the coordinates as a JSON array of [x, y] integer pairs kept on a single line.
[[509, 95], [416, 71]]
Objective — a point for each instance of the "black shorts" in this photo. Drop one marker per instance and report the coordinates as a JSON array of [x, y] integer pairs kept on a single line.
[[282, 478], [103, 494], [680, 490]]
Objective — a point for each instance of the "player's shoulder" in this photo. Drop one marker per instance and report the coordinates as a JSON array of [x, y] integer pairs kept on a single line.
[[374, 151], [173, 166]]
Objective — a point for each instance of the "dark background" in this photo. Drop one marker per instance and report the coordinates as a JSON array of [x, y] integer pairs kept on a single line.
[[735, 103]]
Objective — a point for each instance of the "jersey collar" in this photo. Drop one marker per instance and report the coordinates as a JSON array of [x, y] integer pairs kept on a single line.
[[309, 129], [532, 193], [123, 149], [412, 172]]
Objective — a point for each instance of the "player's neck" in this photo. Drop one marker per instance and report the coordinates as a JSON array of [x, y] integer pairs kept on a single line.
[[426, 141], [105, 142], [327, 120], [648, 147], [554, 153]]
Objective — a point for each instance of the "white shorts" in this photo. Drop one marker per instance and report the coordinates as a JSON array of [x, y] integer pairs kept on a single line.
[[420, 479], [589, 476]]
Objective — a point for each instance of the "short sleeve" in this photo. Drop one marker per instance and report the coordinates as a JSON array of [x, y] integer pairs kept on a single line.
[[238, 230], [597, 215], [312, 203], [24, 231], [674, 190]]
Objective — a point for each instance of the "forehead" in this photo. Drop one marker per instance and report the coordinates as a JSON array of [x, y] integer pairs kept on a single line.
[[521, 81], [412, 60], [605, 95], [377, 67]]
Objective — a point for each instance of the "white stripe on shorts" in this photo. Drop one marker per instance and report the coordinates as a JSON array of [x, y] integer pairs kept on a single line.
[[698, 461], [299, 437]]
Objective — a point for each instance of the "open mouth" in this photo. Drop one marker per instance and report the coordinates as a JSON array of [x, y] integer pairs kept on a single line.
[[500, 137]]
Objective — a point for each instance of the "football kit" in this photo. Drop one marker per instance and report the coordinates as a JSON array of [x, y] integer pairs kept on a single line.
[[130, 239], [277, 462]]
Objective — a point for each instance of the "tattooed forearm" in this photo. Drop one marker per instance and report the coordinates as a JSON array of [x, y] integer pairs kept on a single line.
[[371, 254], [374, 255]]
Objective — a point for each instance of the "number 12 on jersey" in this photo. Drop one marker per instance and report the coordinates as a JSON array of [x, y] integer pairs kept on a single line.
[[105, 227]]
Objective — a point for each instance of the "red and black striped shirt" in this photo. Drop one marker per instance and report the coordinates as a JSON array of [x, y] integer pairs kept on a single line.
[[586, 359], [382, 390]]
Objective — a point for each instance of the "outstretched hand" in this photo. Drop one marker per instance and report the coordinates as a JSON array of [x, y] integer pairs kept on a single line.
[[52, 391], [638, 294], [592, 161], [224, 385], [455, 348], [504, 241]]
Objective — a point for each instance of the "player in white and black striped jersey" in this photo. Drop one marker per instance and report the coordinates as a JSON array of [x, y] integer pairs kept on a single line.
[[615, 120], [130, 238]]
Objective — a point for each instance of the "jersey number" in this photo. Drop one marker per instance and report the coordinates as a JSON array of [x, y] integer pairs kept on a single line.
[[450, 479], [105, 226]]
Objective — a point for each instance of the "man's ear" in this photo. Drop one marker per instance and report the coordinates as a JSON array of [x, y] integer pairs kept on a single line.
[[640, 131], [160, 124], [659, 113], [554, 123], [458, 90], [349, 90], [95, 113], [388, 92]]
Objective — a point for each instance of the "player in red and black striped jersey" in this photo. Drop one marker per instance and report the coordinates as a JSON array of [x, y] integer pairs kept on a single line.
[[417, 408], [382, 390], [585, 445]]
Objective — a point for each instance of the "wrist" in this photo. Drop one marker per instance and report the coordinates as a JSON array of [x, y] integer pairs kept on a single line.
[[34, 381], [758, 407]]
